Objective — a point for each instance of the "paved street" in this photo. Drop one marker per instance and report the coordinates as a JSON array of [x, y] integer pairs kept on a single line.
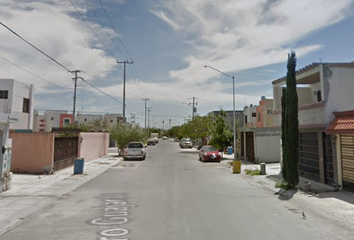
[[173, 196]]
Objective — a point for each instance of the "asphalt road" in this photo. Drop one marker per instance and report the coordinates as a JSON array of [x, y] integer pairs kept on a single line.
[[173, 196]]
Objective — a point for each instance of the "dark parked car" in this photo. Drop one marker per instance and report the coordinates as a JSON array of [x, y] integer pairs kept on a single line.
[[135, 150], [209, 153]]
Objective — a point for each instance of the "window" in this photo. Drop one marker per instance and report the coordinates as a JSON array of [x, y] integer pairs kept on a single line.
[[52, 118], [245, 119], [66, 121], [254, 114], [269, 111], [4, 94], [85, 120], [111, 120], [26, 105], [319, 98], [259, 117]]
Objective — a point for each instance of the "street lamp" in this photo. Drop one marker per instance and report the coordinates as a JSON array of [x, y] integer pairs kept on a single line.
[[233, 103]]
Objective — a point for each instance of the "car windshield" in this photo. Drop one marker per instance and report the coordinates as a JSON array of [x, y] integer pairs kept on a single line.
[[135, 145], [185, 140], [210, 149]]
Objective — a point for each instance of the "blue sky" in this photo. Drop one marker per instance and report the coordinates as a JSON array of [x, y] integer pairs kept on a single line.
[[169, 42]]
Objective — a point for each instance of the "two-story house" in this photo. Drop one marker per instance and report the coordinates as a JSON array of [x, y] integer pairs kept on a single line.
[[322, 88], [16, 98], [51, 119]]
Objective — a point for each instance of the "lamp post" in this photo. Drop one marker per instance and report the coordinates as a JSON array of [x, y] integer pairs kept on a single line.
[[236, 162]]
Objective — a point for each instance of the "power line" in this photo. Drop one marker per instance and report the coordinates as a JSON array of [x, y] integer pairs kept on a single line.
[[39, 77], [120, 40], [137, 82], [94, 13], [104, 93], [78, 12], [35, 47]]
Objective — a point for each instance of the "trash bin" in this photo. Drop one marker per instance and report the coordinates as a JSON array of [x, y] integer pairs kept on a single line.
[[229, 150], [79, 166], [236, 166]]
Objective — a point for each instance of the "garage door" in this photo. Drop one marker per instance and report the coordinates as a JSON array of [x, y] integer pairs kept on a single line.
[[328, 158], [347, 150], [309, 165]]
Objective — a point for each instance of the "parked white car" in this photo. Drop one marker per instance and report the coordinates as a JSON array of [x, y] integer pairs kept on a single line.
[[135, 150]]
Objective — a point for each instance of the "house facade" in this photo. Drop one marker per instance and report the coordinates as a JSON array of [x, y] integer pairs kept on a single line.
[[16, 98], [322, 88], [112, 119], [342, 130], [264, 113], [259, 141], [51, 119], [250, 116]]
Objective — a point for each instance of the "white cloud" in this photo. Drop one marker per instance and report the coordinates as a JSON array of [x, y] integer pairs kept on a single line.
[[238, 35], [229, 35], [50, 26]]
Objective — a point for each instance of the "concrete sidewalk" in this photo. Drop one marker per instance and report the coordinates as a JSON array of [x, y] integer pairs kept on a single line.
[[327, 201], [31, 193]]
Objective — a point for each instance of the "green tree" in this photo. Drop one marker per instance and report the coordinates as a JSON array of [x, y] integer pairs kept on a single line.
[[125, 133], [221, 134], [201, 128], [291, 125]]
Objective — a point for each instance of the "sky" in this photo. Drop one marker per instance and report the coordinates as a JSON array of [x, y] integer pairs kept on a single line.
[[169, 42]]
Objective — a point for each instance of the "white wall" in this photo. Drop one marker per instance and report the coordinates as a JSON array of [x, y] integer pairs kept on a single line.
[[340, 90], [267, 147], [5, 104], [55, 114], [314, 88], [248, 110], [17, 92], [304, 95], [90, 118]]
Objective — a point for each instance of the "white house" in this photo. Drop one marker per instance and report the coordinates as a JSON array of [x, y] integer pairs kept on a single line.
[[322, 88], [250, 115], [112, 119], [89, 118], [51, 119], [16, 98]]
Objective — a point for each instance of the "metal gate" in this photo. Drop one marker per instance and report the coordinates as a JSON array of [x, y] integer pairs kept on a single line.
[[328, 159], [250, 146], [65, 152], [309, 165], [347, 149]]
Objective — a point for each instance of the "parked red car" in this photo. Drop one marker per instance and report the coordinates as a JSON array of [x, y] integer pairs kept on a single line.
[[209, 153]]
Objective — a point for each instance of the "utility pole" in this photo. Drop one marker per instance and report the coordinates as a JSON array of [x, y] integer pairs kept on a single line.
[[149, 110], [146, 99], [194, 109], [125, 70], [75, 87]]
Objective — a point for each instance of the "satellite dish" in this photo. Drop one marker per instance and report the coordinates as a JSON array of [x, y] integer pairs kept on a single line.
[[263, 98]]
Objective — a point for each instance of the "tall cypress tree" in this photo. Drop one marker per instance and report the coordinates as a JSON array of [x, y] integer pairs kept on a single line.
[[283, 130], [291, 147]]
